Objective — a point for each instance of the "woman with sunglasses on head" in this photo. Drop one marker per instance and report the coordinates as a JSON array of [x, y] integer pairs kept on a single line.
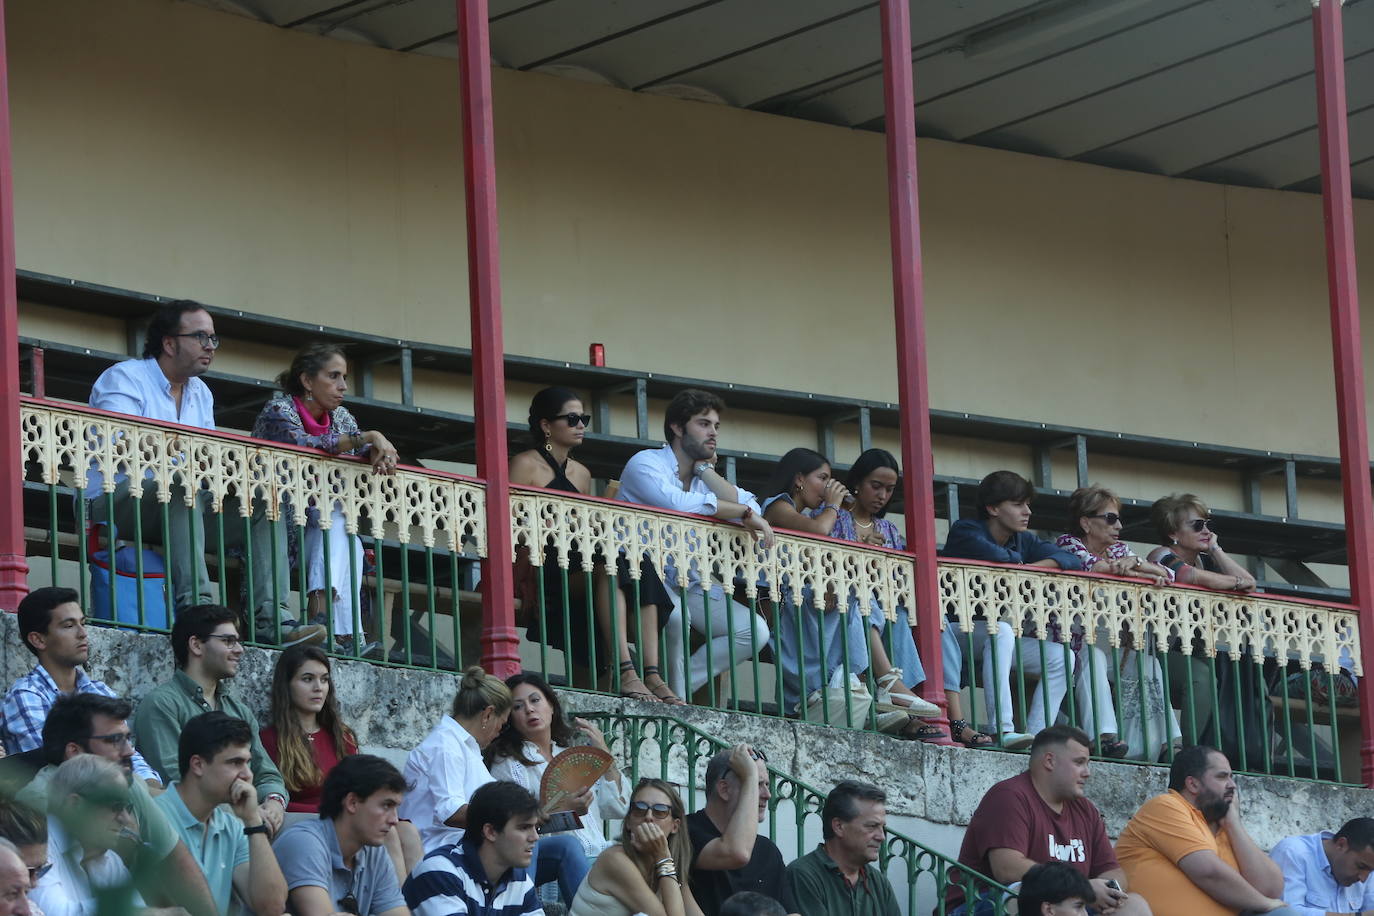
[[557, 426], [1095, 538], [535, 733], [310, 412], [1191, 549], [646, 872]]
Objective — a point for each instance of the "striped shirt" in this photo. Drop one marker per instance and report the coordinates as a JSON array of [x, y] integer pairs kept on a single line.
[[451, 881]]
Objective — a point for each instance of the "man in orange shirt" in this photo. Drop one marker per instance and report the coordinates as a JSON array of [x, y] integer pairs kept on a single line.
[[1186, 851]]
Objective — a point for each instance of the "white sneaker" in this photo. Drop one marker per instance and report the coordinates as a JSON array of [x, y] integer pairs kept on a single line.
[[1015, 741]]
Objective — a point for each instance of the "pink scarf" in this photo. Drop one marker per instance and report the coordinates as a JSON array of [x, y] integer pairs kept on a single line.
[[312, 426]]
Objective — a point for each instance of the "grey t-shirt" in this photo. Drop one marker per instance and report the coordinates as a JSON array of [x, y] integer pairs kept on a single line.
[[309, 856]]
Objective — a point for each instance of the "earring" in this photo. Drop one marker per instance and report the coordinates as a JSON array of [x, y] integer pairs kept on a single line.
[[1173, 541], [309, 396], [548, 443]]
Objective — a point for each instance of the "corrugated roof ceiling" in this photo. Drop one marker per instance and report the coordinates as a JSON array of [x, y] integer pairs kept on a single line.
[[1215, 90]]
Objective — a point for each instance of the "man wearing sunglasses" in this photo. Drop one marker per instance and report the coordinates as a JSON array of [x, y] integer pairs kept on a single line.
[[207, 647], [232, 849], [166, 385], [682, 476], [487, 873], [728, 853], [89, 815], [90, 724]]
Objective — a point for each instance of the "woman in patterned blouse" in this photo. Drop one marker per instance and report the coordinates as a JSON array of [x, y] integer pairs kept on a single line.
[[311, 413]]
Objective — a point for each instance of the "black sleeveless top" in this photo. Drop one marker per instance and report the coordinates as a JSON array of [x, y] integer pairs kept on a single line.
[[560, 473]]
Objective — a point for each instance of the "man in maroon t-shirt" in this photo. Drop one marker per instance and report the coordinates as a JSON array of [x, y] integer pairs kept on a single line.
[[1043, 816]]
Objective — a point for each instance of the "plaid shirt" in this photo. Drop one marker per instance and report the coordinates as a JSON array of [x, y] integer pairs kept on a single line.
[[27, 704]]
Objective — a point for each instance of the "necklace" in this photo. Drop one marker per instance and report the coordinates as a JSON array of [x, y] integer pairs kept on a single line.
[[860, 524]]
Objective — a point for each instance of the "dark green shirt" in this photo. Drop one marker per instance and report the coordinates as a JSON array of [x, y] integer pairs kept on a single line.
[[162, 713], [814, 886]]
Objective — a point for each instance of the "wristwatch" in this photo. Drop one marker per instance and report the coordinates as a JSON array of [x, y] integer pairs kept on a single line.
[[260, 828], [701, 468]]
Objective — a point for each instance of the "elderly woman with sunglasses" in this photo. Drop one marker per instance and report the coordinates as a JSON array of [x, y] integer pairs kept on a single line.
[[1095, 538], [1191, 549]]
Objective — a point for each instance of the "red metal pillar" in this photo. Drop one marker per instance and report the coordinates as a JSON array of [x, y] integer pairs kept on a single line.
[[908, 306], [13, 568], [1347, 349], [500, 644]]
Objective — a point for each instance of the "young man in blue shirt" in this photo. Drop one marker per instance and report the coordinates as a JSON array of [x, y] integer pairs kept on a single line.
[[1000, 535]]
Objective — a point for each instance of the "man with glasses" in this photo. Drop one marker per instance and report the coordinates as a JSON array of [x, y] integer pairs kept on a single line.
[[232, 849], [729, 854], [53, 627], [89, 816], [339, 863], [206, 644], [487, 873], [166, 385], [91, 724]]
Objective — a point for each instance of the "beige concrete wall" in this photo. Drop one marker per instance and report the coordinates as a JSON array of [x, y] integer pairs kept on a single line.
[[167, 148]]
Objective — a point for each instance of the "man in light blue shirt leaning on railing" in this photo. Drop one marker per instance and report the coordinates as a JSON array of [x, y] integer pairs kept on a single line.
[[1329, 872]]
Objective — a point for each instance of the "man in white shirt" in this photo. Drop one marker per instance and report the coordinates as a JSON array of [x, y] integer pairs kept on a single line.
[[682, 476], [88, 815], [1329, 872], [165, 385]]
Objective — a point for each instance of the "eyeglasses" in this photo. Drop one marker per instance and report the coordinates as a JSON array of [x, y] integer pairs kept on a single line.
[[1198, 524], [208, 341], [229, 641], [116, 805], [660, 810], [575, 419], [1111, 518], [38, 871], [116, 739], [349, 904]]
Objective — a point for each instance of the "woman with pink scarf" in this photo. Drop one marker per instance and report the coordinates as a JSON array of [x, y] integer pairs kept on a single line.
[[311, 413]]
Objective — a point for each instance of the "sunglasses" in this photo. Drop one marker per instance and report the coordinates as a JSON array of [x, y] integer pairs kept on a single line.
[[349, 904], [1111, 518], [574, 419], [660, 810], [1198, 524], [758, 754], [38, 871]]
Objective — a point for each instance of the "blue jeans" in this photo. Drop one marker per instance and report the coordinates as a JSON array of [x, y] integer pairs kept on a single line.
[[560, 858], [799, 647]]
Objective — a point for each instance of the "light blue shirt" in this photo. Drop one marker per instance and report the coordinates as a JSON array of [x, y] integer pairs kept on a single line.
[[218, 847], [1308, 885], [139, 388]]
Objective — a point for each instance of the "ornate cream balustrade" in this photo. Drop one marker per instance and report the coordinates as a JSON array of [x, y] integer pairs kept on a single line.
[[83, 447], [716, 550], [1249, 626]]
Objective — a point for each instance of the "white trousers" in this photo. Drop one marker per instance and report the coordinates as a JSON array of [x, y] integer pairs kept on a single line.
[[1052, 686], [729, 621], [345, 559]]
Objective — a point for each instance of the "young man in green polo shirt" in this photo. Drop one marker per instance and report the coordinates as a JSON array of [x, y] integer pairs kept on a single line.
[[232, 849], [205, 641], [837, 878]]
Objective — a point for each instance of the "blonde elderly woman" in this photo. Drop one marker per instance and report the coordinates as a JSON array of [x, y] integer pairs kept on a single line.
[[1095, 538], [1192, 552]]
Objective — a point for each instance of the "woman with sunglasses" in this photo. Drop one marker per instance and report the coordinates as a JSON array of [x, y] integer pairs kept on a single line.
[[1095, 538], [535, 733], [646, 872], [311, 413], [557, 426], [1191, 549]]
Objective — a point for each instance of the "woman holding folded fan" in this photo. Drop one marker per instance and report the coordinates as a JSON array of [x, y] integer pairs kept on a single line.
[[557, 426], [311, 413], [646, 872]]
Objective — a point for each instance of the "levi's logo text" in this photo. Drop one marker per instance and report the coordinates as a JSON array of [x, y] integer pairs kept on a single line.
[[1072, 851]]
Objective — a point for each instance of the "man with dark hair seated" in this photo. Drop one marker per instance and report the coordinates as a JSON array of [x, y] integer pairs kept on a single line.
[[487, 873], [729, 855], [1042, 815], [207, 648], [89, 723], [748, 903], [232, 849], [52, 626], [339, 863], [838, 877], [1054, 889], [1329, 873], [1000, 535], [1187, 852]]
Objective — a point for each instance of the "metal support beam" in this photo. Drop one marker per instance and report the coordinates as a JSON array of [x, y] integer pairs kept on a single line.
[[952, 502], [13, 568], [500, 643], [366, 382], [642, 408], [1290, 488], [1080, 453], [408, 370], [908, 307], [1252, 498], [1329, 44], [865, 429], [825, 437], [1043, 472]]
